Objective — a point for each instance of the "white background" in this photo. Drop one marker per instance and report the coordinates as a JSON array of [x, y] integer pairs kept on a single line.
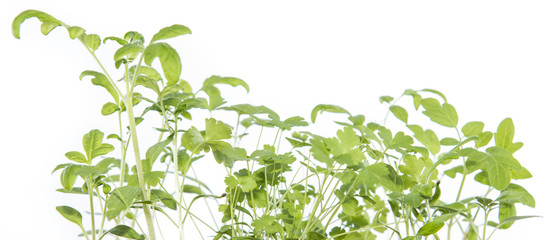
[[492, 59]]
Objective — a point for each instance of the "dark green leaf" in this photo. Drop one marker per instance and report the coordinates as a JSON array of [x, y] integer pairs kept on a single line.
[[171, 32], [126, 232], [169, 59], [71, 214]]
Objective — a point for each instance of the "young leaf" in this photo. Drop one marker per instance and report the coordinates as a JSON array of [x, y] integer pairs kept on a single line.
[[399, 112], [386, 99], [382, 174], [192, 189], [225, 80], [43, 17], [217, 130], [327, 108], [428, 138], [472, 128], [67, 178], [499, 165], [92, 41], [92, 143], [126, 232], [101, 80], [47, 27], [516, 194], [192, 139], [71, 214], [171, 32], [430, 228], [506, 211], [171, 63], [109, 108], [128, 52], [504, 134], [444, 115], [75, 32], [154, 151], [76, 156]]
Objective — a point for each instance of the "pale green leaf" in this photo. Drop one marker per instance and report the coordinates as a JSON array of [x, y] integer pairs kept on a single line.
[[101, 80], [127, 52], [43, 17], [516, 194], [47, 27], [444, 114], [192, 189], [67, 177], [92, 41], [171, 32], [327, 108], [75, 32], [399, 112], [217, 130], [430, 228], [225, 80], [76, 156], [154, 151], [109, 108], [505, 211], [169, 59], [504, 134], [471, 129], [428, 138]]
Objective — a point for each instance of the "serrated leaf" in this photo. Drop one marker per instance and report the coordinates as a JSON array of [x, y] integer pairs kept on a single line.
[[101, 80], [43, 17], [126, 232], [171, 32], [327, 108], [217, 130], [169, 59], [399, 112], [71, 214]]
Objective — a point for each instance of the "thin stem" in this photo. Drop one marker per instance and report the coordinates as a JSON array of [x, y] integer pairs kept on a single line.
[[90, 191]]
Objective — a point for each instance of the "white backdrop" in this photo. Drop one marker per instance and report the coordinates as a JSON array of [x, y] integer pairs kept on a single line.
[[492, 59]]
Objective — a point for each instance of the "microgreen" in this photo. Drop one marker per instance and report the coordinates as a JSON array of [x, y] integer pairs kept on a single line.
[[364, 181]]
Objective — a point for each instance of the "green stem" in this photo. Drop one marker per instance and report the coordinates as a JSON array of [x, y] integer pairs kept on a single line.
[[92, 222], [177, 181], [140, 173]]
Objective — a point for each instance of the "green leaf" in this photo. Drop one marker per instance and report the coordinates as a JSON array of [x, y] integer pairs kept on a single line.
[[47, 27], [75, 32], [92, 41], [192, 189], [192, 140], [499, 165], [428, 138], [386, 99], [121, 41], [435, 92], [228, 156], [127, 52], [327, 108], [169, 59], [471, 129], [71, 214], [399, 112], [506, 211], [109, 108], [67, 177], [121, 199], [165, 198], [225, 80], [444, 115], [92, 143], [516, 194], [101, 80], [154, 151], [382, 174], [171, 32], [217, 130], [43, 17], [126, 232], [504, 134], [76, 156], [430, 228]]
